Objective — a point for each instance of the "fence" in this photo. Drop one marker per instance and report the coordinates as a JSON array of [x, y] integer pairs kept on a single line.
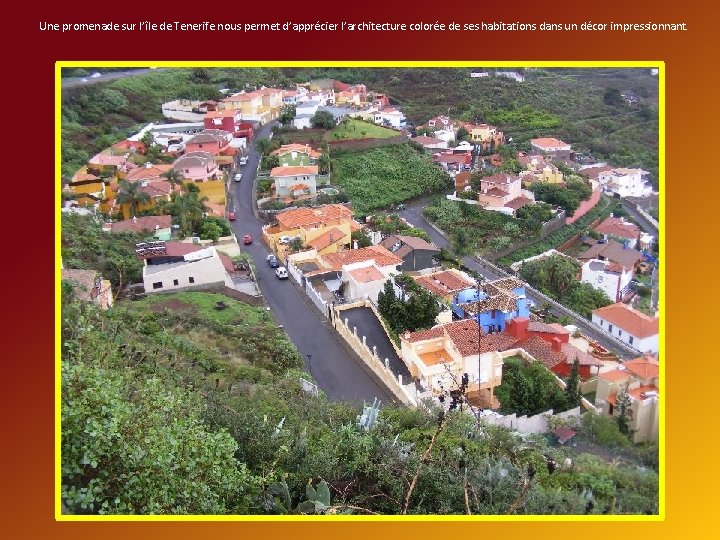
[[380, 367], [529, 424], [294, 272], [321, 304]]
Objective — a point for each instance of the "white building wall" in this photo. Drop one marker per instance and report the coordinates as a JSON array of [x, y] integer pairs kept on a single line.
[[648, 344], [203, 272], [605, 281]]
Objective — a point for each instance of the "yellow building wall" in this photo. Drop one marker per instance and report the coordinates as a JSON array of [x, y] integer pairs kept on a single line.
[[214, 190]]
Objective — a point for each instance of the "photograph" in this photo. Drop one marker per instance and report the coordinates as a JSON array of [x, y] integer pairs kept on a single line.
[[295, 290]]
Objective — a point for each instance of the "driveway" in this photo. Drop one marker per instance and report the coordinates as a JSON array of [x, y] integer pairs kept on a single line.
[[337, 370], [368, 325]]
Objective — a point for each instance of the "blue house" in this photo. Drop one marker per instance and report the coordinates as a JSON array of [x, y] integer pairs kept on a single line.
[[499, 301]]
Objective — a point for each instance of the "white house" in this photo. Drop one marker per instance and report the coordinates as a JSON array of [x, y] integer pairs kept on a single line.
[[609, 277], [365, 280], [439, 357], [633, 327], [178, 265], [295, 181], [391, 117], [626, 182]]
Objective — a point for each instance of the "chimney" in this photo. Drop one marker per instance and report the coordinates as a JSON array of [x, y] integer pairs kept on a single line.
[[518, 327], [556, 344]]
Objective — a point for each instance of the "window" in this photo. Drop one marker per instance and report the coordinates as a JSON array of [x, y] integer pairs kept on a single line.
[[191, 279], [610, 410], [610, 328], [176, 282], [630, 340], [157, 285], [619, 333]]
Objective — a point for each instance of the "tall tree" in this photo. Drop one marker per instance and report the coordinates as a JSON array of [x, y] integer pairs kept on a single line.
[[174, 177], [572, 390], [189, 210], [130, 193], [623, 404]]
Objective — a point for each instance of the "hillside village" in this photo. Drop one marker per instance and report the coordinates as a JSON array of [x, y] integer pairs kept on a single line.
[[437, 266]]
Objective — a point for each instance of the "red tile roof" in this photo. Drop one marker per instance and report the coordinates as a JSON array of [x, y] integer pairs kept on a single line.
[[628, 319], [618, 227], [542, 351], [444, 283], [327, 238], [279, 172], [366, 274], [309, 217], [450, 158], [518, 202], [427, 141], [535, 326], [379, 254], [616, 375], [146, 173], [180, 249], [643, 368], [145, 223], [157, 189], [222, 114], [584, 359], [544, 142], [500, 178], [227, 262], [495, 192]]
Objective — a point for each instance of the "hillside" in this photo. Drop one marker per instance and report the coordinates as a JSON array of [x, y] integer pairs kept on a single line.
[[171, 407]]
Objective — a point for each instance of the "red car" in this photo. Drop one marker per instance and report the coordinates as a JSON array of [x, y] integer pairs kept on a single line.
[[247, 239], [231, 216]]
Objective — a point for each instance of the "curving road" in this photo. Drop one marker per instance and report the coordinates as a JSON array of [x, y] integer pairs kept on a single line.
[[336, 369]]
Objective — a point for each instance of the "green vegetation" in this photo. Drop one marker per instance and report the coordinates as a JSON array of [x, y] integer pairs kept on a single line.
[[602, 209], [475, 230], [567, 197], [323, 120], [85, 246], [557, 277], [415, 310], [383, 177], [352, 128], [392, 224], [529, 388]]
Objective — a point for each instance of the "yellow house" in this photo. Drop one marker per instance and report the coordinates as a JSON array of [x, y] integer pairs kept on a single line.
[[87, 189], [437, 358], [262, 105], [484, 134], [640, 377], [327, 229]]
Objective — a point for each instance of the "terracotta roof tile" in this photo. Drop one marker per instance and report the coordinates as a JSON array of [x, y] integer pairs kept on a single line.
[[367, 274], [145, 223], [444, 283], [227, 262], [279, 172], [379, 254], [309, 217], [327, 238], [547, 328], [616, 375], [548, 142], [641, 392], [628, 319], [542, 351], [618, 227], [584, 359], [518, 202], [614, 252], [643, 368]]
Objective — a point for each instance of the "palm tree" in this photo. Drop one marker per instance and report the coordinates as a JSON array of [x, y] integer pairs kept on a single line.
[[130, 193], [174, 178], [189, 210]]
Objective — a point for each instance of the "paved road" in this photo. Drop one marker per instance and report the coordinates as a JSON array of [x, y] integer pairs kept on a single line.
[[368, 325], [337, 370], [413, 214], [644, 223]]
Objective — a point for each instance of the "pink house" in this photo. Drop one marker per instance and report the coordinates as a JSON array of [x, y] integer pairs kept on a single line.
[[197, 166], [499, 189]]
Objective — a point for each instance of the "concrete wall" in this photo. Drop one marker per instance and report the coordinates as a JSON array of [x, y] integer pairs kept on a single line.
[[204, 272], [530, 424], [380, 367]]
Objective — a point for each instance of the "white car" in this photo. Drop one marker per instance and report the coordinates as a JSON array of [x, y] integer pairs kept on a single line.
[[238, 177], [243, 160], [281, 273], [96, 75], [284, 239]]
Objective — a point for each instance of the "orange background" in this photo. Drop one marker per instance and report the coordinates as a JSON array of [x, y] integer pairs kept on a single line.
[[691, 294]]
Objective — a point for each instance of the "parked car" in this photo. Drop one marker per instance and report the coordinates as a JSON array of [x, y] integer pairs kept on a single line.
[[284, 239], [272, 261], [247, 239], [238, 177], [281, 273], [243, 160], [231, 216]]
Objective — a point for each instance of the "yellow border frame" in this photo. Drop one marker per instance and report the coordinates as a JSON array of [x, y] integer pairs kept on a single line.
[[660, 65]]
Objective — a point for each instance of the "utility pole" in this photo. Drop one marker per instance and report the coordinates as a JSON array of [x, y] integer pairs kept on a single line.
[[309, 357]]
